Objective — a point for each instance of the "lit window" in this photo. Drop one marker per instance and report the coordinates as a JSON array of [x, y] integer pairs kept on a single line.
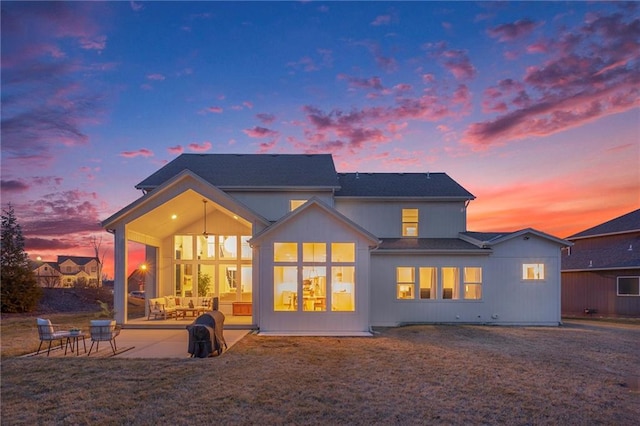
[[245, 248], [450, 281], [314, 252], [206, 247], [533, 271], [405, 282], [314, 288], [285, 252], [285, 288], [228, 246], [628, 286], [343, 288], [294, 204], [343, 252], [473, 283], [183, 246], [409, 222], [428, 280]]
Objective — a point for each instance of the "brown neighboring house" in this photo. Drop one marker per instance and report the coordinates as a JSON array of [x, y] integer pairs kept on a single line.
[[601, 271]]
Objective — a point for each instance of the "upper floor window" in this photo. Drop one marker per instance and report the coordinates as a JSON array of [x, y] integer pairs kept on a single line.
[[409, 222], [533, 271], [628, 286], [294, 204]]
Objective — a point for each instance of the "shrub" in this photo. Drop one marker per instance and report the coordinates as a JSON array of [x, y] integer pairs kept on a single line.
[[19, 291]]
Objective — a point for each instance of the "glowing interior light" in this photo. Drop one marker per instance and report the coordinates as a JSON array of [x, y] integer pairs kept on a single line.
[[174, 216]]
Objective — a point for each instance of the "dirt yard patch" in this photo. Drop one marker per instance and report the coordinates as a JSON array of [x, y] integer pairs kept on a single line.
[[580, 373]]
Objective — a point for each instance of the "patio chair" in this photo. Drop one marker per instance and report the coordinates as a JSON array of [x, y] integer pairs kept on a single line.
[[49, 333], [104, 331]]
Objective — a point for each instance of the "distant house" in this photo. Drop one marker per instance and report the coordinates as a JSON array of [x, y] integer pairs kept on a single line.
[[601, 271], [289, 245], [68, 271]]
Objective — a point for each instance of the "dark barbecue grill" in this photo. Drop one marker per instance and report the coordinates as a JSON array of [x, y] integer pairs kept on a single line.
[[205, 335]]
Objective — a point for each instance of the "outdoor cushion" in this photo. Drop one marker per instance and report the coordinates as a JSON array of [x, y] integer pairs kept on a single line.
[[171, 301], [45, 322]]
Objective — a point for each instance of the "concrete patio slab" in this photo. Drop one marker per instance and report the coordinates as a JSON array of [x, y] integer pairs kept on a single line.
[[164, 343]]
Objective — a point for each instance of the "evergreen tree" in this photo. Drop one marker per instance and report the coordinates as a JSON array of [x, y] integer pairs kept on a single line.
[[19, 291]]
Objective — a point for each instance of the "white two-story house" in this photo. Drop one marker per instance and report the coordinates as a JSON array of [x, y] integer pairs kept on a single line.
[[289, 245]]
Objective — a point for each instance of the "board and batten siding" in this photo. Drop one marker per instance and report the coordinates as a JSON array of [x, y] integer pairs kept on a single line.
[[598, 290], [384, 218], [506, 298], [313, 225]]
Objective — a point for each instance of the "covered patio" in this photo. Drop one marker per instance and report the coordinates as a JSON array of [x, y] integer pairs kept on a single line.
[[195, 240]]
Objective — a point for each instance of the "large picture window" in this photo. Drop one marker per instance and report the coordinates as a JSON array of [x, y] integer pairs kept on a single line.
[[301, 281], [628, 286], [208, 266]]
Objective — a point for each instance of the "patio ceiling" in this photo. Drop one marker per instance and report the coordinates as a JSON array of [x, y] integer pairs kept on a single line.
[[188, 210]]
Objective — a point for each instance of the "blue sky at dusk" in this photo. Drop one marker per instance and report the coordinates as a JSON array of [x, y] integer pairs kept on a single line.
[[533, 107]]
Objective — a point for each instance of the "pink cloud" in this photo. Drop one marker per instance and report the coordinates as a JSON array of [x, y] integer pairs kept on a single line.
[[260, 132], [143, 152], [175, 150], [591, 74], [248, 104], [512, 31], [538, 47], [454, 60], [203, 147], [214, 109]]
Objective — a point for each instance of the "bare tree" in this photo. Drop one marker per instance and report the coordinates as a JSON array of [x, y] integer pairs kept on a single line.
[[96, 242]]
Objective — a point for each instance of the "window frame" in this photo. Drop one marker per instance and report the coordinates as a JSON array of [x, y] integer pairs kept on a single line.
[[465, 283], [411, 285], [407, 215], [627, 294], [523, 273]]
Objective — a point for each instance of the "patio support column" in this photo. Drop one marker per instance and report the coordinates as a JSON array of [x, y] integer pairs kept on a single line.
[[120, 274]]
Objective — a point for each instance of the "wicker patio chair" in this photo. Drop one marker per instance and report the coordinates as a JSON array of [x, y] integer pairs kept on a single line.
[[50, 333], [104, 331]]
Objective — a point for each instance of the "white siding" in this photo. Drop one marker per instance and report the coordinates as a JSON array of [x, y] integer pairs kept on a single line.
[[314, 226], [274, 205], [506, 297], [384, 218]]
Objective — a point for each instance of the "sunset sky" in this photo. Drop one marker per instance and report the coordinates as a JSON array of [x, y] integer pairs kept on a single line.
[[533, 107]]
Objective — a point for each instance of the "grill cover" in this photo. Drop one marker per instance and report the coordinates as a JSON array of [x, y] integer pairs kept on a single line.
[[206, 335]]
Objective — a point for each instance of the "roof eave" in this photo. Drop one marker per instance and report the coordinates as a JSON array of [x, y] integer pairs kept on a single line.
[[404, 198], [608, 234], [476, 252]]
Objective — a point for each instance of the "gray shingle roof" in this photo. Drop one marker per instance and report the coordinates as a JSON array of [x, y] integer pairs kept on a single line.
[[624, 223], [251, 170], [608, 252], [438, 185], [78, 260], [427, 244]]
